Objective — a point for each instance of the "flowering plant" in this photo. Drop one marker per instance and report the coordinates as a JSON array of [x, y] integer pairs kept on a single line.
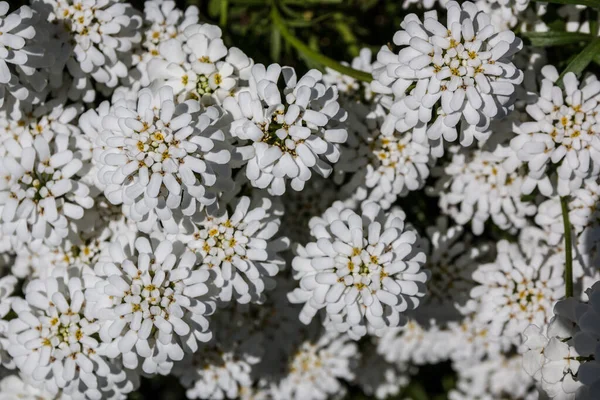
[[418, 221]]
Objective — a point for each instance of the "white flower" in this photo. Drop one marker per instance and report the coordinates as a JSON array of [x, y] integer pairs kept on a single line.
[[551, 359], [162, 21], [364, 269], [198, 65], [385, 165], [23, 55], [104, 33], [7, 287], [52, 341], [49, 119], [240, 247], [515, 291], [415, 343], [151, 304], [12, 387], [39, 192], [481, 185], [159, 155], [564, 132], [449, 75], [290, 131], [317, 367], [498, 378]]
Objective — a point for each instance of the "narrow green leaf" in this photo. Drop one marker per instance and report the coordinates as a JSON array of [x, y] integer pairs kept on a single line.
[[547, 39], [582, 60], [588, 3], [314, 55], [275, 44]]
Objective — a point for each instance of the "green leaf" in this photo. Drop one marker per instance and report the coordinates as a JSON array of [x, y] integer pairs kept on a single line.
[[275, 44], [547, 39], [214, 8], [589, 3], [312, 54], [582, 60]]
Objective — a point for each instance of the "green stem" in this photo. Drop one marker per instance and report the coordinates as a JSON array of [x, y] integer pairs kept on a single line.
[[224, 9], [568, 247], [589, 3], [314, 55]]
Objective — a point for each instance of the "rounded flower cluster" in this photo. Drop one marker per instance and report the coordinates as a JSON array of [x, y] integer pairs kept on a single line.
[[564, 131], [288, 132], [240, 248], [39, 192], [197, 64], [449, 79], [365, 270], [492, 176], [151, 304], [157, 155]]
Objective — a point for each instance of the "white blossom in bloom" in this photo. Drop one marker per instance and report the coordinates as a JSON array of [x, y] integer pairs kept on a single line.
[[22, 55], [550, 357], [385, 165], [288, 132], [481, 186], [240, 247], [474, 340], [225, 367], [39, 192], [515, 291], [162, 21], [103, 34], [7, 287], [365, 270], [415, 343], [12, 387], [150, 302], [198, 65], [449, 78], [158, 155], [563, 132], [49, 119], [498, 378], [317, 367], [52, 341]]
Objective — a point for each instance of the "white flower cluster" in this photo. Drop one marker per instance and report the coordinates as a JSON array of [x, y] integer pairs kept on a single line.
[[159, 213]]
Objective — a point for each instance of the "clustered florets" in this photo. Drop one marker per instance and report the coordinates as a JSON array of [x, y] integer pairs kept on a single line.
[[160, 213]]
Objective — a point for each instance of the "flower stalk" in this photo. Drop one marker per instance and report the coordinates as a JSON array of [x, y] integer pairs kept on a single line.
[[568, 247]]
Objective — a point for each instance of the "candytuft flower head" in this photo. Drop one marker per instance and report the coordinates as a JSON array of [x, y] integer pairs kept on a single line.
[[564, 132], [159, 155], [240, 247], [290, 131], [53, 341], [150, 302], [449, 78], [40, 192], [365, 270]]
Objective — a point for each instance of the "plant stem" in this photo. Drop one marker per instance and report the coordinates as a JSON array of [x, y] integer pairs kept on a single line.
[[223, 19], [568, 247], [589, 3], [312, 54]]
